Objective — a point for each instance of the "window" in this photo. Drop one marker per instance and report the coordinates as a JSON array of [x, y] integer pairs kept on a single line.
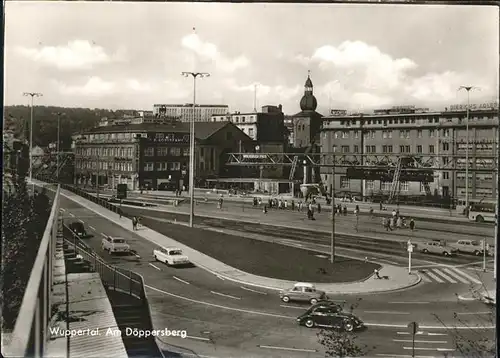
[[148, 167], [407, 148], [344, 183], [446, 160], [404, 186], [374, 148], [129, 152], [446, 146], [176, 165], [149, 152], [250, 132], [446, 132], [390, 149], [432, 132], [367, 148], [431, 149], [369, 184], [185, 152], [385, 134], [161, 166], [401, 148], [419, 149], [345, 134], [373, 134], [356, 134], [175, 151], [384, 149], [334, 148], [446, 175], [336, 135], [345, 149], [404, 133], [419, 133], [385, 185], [356, 149], [162, 151], [159, 136]]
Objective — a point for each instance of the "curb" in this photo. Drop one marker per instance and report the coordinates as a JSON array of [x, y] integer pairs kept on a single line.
[[231, 278]]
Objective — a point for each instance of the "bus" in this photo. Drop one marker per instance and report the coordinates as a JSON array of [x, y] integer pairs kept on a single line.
[[483, 211], [461, 207]]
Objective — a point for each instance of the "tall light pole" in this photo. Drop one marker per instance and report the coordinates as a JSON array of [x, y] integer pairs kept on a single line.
[[31, 94], [468, 89], [58, 143], [195, 75]]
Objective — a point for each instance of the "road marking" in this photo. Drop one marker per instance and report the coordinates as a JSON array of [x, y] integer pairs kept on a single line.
[[430, 349], [417, 341], [198, 338], [410, 303], [249, 289], [63, 210], [103, 234], [475, 280], [442, 274], [93, 228], [228, 296], [137, 256], [402, 356], [156, 267], [428, 272], [289, 349], [421, 333], [296, 307], [72, 215], [455, 274], [471, 313], [222, 278], [386, 312], [223, 307], [436, 334], [387, 325], [80, 220], [181, 280]]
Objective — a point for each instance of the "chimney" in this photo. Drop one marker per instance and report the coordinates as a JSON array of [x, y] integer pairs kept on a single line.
[[280, 107]]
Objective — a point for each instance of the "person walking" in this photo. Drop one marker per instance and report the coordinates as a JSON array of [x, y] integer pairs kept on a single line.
[[319, 208], [399, 222], [293, 205], [134, 223], [412, 225], [380, 205], [265, 209], [371, 212], [345, 210], [392, 222]]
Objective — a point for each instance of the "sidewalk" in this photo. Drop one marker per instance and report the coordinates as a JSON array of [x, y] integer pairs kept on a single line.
[[399, 277], [484, 292]]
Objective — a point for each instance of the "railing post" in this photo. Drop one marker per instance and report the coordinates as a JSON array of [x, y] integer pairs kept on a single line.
[[114, 278], [130, 280], [36, 333], [46, 304]]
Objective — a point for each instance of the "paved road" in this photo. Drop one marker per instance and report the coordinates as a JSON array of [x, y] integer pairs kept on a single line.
[[241, 320]]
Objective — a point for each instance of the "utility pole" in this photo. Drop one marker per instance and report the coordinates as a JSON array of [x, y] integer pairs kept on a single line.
[[58, 143], [191, 143], [32, 95], [468, 89], [332, 241]]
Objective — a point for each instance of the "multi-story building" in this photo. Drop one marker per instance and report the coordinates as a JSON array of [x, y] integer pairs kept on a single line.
[[184, 112], [406, 130], [152, 155], [265, 126]]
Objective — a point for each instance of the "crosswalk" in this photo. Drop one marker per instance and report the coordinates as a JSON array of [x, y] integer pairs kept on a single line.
[[448, 275]]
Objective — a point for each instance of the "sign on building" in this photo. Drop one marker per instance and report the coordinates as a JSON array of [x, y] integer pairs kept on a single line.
[[338, 112], [473, 106]]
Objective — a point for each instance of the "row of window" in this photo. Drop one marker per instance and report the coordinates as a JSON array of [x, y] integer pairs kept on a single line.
[[402, 149], [162, 166], [124, 167], [164, 151], [409, 120], [108, 136], [122, 152]]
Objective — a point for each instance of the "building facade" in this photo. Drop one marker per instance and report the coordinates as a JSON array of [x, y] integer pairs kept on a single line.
[[184, 112], [153, 155], [265, 126], [412, 131]]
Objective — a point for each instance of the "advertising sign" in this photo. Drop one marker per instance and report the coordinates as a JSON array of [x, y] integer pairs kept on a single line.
[[338, 112], [168, 137], [483, 106]]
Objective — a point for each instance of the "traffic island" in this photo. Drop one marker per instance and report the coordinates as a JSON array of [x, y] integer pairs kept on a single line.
[[266, 258]]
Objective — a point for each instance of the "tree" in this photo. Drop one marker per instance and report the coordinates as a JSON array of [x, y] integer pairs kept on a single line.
[[340, 343], [474, 340]]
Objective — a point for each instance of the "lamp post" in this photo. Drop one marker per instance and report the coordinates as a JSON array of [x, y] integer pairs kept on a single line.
[[191, 143], [58, 143], [468, 89], [332, 239], [32, 95]]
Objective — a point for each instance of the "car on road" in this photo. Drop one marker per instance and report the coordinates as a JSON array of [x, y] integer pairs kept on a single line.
[[468, 247], [332, 316], [171, 256], [305, 292], [115, 245], [438, 247], [78, 229]]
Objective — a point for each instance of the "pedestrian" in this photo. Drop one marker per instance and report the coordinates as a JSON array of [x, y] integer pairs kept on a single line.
[[293, 205], [371, 212], [345, 210], [377, 274], [319, 208], [397, 213], [265, 209], [270, 203], [339, 208], [399, 222], [280, 203], [384, 223], [260, 201], [286, 204], [357, 209], [412, 225], [380, 205], [134, 223], [392, 222], [394, 213]]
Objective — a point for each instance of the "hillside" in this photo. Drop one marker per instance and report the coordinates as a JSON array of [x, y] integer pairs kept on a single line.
[[73, 120]]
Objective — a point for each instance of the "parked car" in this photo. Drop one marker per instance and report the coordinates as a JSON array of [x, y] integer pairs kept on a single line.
[[171, 256], [468, 247], [305, 292], [438, 247], [332, 316], [78, 228], [114, 245]]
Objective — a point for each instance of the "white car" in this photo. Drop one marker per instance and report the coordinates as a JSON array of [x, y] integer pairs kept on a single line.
[[171, 256], [114, 244]]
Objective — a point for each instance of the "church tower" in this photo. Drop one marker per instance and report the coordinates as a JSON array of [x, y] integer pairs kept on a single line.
[[308, 101]]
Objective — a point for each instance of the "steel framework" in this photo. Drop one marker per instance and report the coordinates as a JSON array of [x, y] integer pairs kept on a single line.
[[414, 162]]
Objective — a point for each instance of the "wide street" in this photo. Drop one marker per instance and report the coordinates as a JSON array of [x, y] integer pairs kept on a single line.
[[224, 318]]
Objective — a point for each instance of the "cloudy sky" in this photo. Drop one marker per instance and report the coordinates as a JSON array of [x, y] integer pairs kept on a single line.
[[130, 55]]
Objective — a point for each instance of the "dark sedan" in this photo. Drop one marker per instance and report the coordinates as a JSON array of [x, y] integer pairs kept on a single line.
[[78, 228], [330, 316]]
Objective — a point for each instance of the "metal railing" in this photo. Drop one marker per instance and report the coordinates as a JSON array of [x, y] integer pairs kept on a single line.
[[30, 335], [112, 277]]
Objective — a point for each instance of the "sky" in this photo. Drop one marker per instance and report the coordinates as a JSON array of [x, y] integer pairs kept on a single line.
[[361, 57]]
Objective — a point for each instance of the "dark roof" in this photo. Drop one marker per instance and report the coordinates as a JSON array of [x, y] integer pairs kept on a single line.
[[202, 130], [307, 114]]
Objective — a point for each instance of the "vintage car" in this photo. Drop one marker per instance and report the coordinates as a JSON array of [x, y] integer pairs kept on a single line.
[[305, 292], [115, 245], [468, 247], [438, 247], [78, 228], [329, 315], [171, 256]]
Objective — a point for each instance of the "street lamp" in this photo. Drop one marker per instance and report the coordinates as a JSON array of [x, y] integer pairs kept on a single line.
[[59, 114], [468, 89], [191, 143], [31, 94]]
